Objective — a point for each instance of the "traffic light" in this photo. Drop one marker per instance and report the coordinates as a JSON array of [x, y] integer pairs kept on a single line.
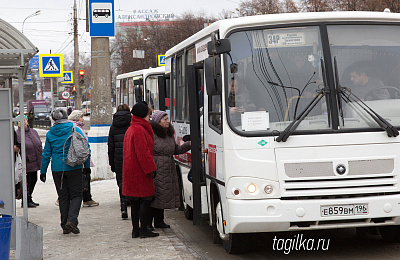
[[73, 90], [81, 77]]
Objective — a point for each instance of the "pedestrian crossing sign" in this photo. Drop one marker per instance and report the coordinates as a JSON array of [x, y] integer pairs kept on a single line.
[[51, 65], [68, 77], [161, 60]]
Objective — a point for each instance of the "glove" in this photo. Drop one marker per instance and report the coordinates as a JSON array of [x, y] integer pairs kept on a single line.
[[87, 171], [43, 177], [153, 174]]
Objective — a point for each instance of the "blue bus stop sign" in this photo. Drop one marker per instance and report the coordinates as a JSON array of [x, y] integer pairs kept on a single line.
[[101, 15], [34, 62]]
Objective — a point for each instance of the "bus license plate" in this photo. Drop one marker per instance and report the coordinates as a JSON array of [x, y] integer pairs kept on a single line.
[[344, 210]]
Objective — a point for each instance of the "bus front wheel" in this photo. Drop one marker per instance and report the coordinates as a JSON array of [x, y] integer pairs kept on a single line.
[[186, 208], [236, 243]]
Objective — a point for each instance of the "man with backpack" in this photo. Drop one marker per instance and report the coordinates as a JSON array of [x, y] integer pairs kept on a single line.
[[67, 149]]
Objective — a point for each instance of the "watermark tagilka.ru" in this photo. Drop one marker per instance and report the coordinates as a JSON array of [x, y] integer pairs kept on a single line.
[[298, 243]]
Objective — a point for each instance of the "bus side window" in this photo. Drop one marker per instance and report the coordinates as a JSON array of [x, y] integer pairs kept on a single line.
[[215, 113]]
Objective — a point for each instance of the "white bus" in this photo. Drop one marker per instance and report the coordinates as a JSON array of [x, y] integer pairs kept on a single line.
[[142, 85], [296, 127]]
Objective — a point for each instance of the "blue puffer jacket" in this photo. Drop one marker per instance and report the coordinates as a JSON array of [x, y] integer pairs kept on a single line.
[[53, 149]]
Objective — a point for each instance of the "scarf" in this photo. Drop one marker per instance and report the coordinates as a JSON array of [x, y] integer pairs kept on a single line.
[[61, 121]]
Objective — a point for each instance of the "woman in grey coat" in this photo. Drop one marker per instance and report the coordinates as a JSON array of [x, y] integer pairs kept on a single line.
[[166, 181]]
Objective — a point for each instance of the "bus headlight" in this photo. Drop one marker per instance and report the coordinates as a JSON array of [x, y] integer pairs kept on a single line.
[[268, 189], [252, 188]]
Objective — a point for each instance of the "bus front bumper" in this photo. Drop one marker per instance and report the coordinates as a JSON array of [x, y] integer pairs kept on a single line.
[[273, 215]]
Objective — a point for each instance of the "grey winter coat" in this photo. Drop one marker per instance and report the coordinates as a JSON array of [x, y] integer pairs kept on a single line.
[[166, 182]]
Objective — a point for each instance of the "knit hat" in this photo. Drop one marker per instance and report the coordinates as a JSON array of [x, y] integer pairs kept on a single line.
[[16, 123], [158, 115], [59, 114], [140, 109], [75, 115]]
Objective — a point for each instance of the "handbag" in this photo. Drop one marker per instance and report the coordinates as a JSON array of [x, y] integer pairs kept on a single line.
[[18, 168]]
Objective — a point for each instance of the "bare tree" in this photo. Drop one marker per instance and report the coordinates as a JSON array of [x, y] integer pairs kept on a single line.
[[317, 5], [289, 6], [155, 38], [254, 7], [393, 5]]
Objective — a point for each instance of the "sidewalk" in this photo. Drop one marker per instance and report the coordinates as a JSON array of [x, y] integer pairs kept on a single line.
[[104, 235], [41, 132]]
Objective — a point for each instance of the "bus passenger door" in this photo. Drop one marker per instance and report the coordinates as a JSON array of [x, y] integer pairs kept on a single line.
[[196, 100], [162, 93]]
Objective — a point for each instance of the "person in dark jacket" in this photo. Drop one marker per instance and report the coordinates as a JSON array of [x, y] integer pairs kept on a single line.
[[33, 152], [167, 195], [121, 122], [31, 118], [67, 179], [138, 168]]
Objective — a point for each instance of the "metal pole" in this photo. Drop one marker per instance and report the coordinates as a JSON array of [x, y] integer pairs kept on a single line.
[[52, 95], [78, 96], [23, 154]]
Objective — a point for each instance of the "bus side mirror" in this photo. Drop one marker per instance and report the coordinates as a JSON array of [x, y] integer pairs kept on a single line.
[[138, 82], [218, 46], [212, 68]]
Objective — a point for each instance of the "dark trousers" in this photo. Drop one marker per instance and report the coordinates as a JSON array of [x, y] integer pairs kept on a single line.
[[87, 196], [122, 199], [157, 215], [69, 190], [139, 211], [31, 179]]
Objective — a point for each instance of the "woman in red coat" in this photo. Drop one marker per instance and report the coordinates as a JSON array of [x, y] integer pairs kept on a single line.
[[138, 168]]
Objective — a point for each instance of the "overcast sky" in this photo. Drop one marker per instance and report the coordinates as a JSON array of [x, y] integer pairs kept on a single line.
[[53, 28]]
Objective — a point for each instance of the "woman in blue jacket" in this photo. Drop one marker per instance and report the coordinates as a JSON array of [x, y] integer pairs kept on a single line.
[[67, 179]]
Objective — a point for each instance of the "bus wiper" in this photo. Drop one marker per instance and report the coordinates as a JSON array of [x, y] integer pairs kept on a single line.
[[337, 88], [283, 136], [352, 99]]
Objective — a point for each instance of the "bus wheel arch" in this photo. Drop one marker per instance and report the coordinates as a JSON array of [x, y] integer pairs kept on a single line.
[[233, 243], [237, 243], [188, 211], [216, 213]]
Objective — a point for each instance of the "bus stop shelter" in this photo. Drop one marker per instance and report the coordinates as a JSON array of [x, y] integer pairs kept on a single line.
[[15, 52]]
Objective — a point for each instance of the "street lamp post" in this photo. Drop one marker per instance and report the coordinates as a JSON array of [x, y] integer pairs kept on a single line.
[[29, 16]]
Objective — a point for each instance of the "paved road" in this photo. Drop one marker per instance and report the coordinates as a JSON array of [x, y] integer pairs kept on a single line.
[[343, 244], [104, 235]]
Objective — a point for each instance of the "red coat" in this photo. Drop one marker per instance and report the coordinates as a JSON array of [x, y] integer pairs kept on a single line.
[[138, 163]]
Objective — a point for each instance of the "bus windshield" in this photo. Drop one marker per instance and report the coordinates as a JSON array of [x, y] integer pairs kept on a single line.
[[368, 63], [280, 73]]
